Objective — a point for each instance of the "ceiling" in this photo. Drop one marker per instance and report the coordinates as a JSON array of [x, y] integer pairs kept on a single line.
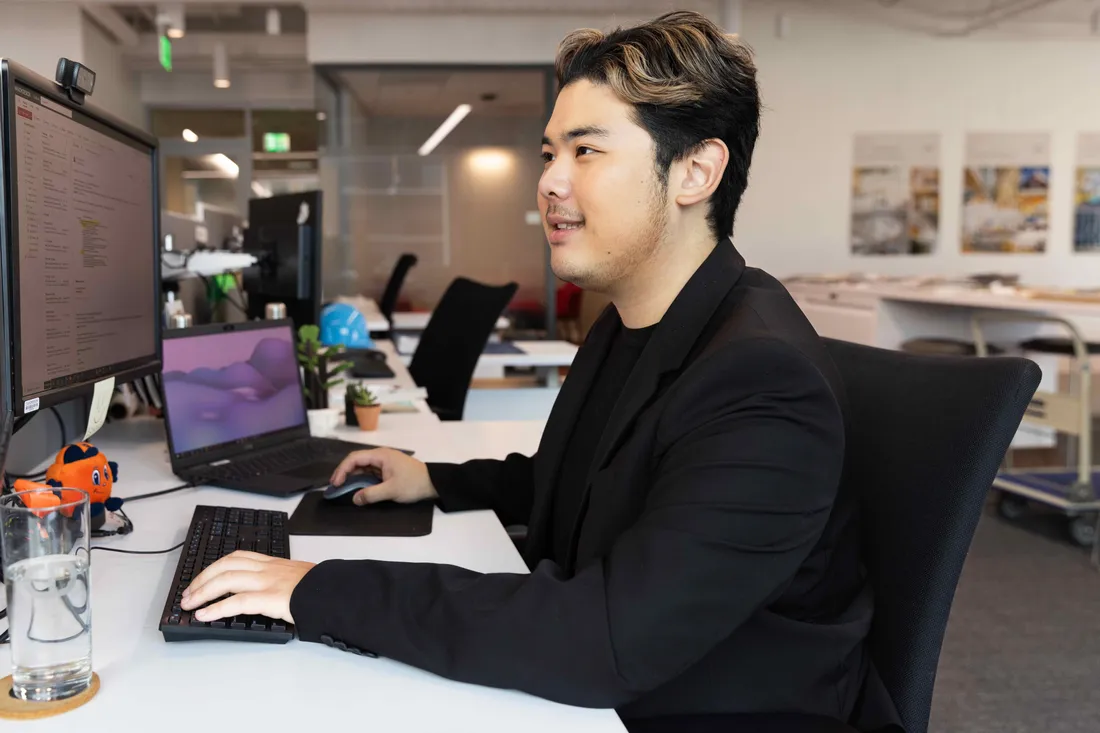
[[1068, 18], [436, 94]]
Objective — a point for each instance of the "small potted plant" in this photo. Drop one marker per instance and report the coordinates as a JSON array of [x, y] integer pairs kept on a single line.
[[367, 407], [321, 366]]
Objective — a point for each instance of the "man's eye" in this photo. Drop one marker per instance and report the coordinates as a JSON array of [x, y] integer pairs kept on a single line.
[[547, 156], [581, 148]]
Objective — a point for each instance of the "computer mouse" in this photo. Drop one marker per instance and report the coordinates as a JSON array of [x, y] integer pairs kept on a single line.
[[354, 482]]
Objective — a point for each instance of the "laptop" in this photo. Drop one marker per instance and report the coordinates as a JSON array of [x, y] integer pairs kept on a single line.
[[235, 410]]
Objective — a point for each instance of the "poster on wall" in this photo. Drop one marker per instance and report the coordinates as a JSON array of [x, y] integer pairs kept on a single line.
[[1086, 214], [1005, 188], [895, 194]]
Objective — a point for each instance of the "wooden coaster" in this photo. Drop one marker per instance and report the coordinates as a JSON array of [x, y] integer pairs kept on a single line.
[[12, 708]]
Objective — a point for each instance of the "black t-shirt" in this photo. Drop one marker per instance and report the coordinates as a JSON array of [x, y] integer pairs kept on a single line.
[[581, 448]]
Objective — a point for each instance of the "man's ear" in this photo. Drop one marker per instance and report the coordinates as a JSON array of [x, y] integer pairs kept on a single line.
[[700, 172]]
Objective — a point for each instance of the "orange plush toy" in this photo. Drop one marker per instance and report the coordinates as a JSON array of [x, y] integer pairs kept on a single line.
[[79, 466]]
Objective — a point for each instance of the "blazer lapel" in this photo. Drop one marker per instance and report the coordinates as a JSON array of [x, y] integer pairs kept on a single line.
[[562, 419], [666, 351]]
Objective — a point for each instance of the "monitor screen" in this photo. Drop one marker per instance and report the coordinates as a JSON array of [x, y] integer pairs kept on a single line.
[[85, 248], [231, 386]]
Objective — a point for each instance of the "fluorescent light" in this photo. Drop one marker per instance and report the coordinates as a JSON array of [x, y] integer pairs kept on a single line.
[[445, 129], [176, 33], [274, 22], [221, 66], [321, 116], [223, 163], [190, 136], [261, 190]]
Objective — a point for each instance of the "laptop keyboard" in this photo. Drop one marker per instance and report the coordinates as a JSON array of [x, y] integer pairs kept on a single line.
[[275, 461]]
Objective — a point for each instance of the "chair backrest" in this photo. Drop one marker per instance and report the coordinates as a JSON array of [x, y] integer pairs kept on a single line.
[[926, 436], [393, 288], [453, 340]]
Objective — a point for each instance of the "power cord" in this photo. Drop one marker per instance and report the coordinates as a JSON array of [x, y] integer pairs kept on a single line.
[[151, 494], [138, 552]]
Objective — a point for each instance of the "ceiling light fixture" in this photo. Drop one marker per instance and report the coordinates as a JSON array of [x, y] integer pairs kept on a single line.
[[321, 117], [190, 136], [171, 20], [274, 22], [221, 66], [261, 190], [445, 129], [225, 164]]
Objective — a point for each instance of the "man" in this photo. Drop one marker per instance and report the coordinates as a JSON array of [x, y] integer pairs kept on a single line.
[[693, 550]]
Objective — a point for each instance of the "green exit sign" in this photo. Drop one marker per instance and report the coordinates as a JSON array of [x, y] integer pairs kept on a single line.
[[276, 142], [166, 53]]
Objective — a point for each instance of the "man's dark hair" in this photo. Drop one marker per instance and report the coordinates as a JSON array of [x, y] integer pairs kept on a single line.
[[688, 82]]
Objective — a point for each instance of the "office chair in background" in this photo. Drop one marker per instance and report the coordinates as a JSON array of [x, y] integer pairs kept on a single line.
[[388, 303], [926, 436], [452, 342]]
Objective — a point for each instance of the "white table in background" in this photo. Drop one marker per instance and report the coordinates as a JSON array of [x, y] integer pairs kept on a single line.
[[546, 357], [148, 684], [418, 321]]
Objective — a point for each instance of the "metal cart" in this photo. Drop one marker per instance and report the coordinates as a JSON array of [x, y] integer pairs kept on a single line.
[[1070, 490]]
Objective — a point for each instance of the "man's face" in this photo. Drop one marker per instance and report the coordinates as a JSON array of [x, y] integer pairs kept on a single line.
[[603, 206]]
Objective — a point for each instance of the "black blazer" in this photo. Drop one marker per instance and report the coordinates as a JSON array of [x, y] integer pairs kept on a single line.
[[715, 565]]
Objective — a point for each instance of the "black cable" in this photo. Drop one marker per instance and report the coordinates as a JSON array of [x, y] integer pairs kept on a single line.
[[151, 494], [138, 552], [60, 426]]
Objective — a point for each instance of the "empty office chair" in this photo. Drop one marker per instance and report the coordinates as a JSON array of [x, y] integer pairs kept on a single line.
[[393, 288], [453, 340], [926, 436]]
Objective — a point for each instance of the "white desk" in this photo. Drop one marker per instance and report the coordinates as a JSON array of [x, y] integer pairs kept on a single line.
[[418, 321], [545, 356], [149, 684], [888, 314]]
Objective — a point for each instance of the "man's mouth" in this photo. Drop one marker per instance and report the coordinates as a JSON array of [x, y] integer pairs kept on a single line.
[[570, 225]]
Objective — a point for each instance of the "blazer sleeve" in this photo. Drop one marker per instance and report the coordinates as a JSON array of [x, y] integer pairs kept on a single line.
[[506, 486], [740, 495]]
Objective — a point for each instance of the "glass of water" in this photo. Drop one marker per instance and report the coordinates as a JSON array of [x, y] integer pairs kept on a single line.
[[44, 545]]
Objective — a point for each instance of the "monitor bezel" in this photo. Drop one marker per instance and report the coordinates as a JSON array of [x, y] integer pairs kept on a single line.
[[222, 451], [12, 73]]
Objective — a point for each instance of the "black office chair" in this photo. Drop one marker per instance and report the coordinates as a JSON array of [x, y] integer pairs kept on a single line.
[[453, 340], [926, 437], [393, 288]]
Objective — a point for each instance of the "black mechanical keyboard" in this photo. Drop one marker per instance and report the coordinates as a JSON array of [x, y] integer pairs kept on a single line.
[[216, 531]]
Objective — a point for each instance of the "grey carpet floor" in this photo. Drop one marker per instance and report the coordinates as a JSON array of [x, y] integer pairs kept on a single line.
[[1022, 649]]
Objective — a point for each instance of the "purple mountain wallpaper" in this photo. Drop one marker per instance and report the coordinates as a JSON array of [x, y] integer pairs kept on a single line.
[[227, 386]]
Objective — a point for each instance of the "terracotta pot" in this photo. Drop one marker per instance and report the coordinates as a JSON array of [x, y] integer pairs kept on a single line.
[[368, 416]]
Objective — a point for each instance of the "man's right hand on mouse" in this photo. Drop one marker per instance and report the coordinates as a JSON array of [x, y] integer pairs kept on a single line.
[[404, 479]]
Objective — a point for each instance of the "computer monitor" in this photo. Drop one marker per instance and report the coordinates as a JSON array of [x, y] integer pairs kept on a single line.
[[79, 262], [285, 233]]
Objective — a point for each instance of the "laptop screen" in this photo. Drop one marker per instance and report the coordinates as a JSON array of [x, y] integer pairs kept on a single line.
[[225, 387]]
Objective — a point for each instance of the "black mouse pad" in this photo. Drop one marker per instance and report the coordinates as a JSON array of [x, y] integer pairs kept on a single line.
[[316, 515]]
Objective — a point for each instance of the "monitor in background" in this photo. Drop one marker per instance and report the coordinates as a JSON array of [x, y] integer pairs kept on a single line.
[[78, 245], [285, 233]]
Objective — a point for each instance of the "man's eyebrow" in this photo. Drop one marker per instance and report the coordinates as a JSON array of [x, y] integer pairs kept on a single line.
[[586, 131]]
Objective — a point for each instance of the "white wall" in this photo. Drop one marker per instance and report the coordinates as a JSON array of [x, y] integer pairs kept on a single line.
[[831, 77], [37, 35], [116, 88]]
